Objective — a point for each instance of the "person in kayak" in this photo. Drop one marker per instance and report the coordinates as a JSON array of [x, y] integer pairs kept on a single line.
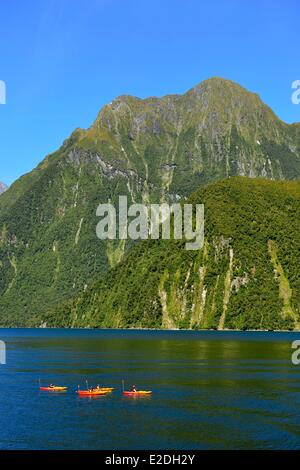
[[93, 389], [133, 388]]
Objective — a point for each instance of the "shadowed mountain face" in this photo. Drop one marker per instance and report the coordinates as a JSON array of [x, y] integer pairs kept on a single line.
[[157, 149], [3, 187]]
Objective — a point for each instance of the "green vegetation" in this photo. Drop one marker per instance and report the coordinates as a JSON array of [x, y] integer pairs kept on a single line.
[[230, 283], [151, 150]]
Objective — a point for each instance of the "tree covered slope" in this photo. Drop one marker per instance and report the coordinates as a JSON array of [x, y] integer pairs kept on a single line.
[[246, 276]]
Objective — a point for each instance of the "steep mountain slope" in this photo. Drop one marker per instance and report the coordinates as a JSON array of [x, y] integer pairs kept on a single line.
[[246, 276], [151, 150], [3, 187]]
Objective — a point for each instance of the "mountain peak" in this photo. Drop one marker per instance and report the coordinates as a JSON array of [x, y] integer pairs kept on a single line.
[[222, 128], [219, 81], [3, 187], [217, 86]]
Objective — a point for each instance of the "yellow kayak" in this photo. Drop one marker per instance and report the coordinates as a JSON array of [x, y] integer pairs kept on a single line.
[[137, 393], [91, 393], [54, 388]]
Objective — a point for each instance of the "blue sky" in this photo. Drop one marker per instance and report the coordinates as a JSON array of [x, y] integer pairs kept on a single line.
[[62, 60]]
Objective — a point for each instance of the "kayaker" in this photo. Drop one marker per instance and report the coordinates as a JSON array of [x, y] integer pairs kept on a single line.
[[133, 388], [96, 388]]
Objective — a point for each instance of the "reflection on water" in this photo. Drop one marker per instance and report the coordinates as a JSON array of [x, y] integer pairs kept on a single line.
[[211, 390]]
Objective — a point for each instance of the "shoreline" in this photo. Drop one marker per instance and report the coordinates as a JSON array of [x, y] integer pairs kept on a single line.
[[39, 328]]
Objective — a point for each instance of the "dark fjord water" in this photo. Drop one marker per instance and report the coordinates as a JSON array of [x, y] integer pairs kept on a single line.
[[212, 390]]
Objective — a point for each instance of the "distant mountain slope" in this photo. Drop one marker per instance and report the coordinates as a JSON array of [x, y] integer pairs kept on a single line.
[[246, 276], [3, 187], [152, 150]]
